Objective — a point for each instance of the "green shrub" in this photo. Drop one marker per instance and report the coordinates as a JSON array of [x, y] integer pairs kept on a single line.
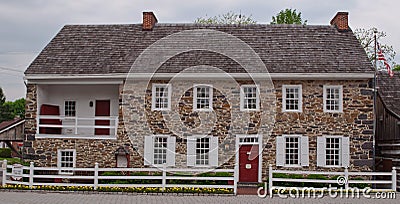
[[317, 177], [359, 185], [5, 152]]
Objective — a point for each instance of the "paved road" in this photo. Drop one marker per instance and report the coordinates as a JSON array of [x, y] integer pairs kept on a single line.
[[52, 198]]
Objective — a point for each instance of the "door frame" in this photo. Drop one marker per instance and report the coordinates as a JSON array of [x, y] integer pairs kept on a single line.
[[260, 149]]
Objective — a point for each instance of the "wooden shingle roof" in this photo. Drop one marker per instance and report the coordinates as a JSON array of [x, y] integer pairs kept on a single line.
[[389, 91], [107, 49]]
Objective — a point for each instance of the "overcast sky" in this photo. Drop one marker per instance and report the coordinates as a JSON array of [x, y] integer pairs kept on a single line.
[[28, 25]]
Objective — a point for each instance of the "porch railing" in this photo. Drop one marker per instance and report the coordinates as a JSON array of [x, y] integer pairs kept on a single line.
[[77, 125]]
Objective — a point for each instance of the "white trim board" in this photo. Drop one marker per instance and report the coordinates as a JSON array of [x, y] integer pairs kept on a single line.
[[317, 76], [16, 124]]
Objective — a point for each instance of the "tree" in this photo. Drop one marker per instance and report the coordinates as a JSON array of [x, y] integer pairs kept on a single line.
[[366, 38], [9, 110], [227, 18], [288, 16], [17, 108], [2, 97], [396, 67]]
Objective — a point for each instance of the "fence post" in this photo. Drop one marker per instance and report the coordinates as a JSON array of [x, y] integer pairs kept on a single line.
[[270, 184], [394, 179], [31, 171], [96, 176], [164, 177], [346, 176], [235, 180], [4, 169]]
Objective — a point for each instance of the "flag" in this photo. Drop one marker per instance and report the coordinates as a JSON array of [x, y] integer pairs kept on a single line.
[[382, 57]]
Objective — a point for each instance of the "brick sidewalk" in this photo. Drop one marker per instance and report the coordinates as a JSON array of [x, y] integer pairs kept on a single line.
[[51, 198]]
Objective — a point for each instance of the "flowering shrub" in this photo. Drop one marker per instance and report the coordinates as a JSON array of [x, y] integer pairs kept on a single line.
[[123, 189]]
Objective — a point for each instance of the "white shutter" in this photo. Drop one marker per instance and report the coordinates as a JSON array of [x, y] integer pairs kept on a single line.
[[171, 151], [191, 151], [345, 151], [280, 151], [304, 151], [321, 151], [213, 154], [148, 150]]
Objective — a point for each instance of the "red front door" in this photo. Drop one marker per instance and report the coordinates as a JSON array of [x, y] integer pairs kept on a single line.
[[102, 110], [248, 163]]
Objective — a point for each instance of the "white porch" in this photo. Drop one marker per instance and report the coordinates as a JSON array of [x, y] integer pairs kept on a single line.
[[77, 111]]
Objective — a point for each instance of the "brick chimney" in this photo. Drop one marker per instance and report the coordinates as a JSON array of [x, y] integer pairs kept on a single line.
[[341, 21], [149, 20]]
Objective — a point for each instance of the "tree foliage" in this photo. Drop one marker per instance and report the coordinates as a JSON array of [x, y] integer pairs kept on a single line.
[[396, 67], [366, 38], [227, 18], [2, 97], [288, 16], [9, 110]]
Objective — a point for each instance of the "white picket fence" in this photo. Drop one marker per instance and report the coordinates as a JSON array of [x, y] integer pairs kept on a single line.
[[346, 176], [165, 174]]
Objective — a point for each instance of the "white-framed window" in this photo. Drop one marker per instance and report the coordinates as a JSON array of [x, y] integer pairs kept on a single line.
[[333, 151], [161, 97], [333, 98], [66, 158], [292, 151], [292, 98], [202, 97], [70, 108], [249, 98], [202, 151], [159, 149]]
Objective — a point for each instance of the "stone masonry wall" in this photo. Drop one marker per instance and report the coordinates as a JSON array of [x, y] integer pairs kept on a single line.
[[356, 121]]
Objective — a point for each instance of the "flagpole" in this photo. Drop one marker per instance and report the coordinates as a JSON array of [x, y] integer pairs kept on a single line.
[[375, 95]]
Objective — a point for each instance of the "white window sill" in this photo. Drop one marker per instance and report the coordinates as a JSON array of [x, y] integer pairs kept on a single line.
[[292, 111], [202, 166], [333, 111], [203, 110], [249, 110], [160, 109], [292, 166], [332, 166], [63, 136]]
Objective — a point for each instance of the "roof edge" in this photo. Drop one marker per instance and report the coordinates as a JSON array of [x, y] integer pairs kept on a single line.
[[318, 76]]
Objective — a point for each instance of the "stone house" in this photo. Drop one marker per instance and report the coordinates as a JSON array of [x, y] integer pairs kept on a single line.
[[201, 96]]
